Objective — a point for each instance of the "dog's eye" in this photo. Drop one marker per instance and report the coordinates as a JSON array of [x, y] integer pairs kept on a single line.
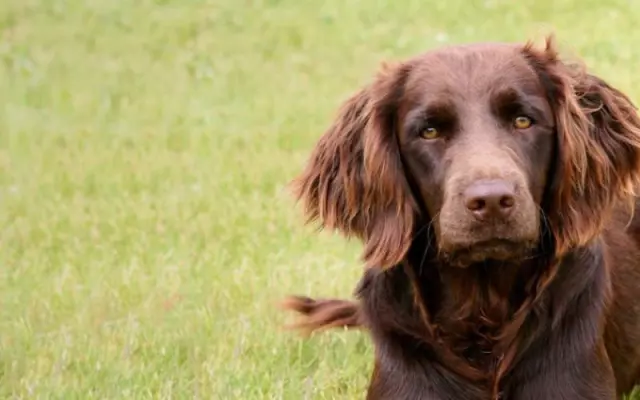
[[430, 132], [522, 122]]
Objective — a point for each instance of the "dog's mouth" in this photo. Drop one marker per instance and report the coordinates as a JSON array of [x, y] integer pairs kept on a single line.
[[500, 250]]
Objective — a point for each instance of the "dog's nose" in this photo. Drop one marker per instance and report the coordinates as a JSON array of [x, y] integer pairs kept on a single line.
[[490, 198]]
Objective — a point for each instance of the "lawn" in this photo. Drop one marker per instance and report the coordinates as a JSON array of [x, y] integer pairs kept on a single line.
[[145, 147]]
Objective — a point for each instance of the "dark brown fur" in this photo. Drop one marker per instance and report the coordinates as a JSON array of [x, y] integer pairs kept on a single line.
[[539, 302]]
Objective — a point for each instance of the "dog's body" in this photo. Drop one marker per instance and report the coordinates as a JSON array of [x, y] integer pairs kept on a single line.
[[493, 188]]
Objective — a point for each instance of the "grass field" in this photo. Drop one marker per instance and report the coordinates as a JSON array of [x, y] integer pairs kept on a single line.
[[145, 229]]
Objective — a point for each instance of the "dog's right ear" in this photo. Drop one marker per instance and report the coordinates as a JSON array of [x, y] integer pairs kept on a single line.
[[354, 181]]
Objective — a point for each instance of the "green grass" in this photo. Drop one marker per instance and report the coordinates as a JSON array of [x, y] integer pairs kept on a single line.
[[145, 229]]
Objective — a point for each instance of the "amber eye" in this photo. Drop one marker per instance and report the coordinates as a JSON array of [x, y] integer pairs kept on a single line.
[[522, 122], [429, 133]]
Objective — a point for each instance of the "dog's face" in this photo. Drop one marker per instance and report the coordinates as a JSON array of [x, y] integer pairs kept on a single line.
[[480, 141], [476, 131]]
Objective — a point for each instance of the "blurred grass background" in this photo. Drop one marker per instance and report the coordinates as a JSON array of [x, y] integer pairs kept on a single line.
[[145, 229]]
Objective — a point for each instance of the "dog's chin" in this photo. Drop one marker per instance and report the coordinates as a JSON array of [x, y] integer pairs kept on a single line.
[[494, 250]]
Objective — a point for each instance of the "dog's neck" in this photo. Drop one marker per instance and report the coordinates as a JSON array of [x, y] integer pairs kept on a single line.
[[470, 307], [475, 304], [471, 320]]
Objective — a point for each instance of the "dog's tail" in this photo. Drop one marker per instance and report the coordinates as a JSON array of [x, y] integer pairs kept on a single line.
[[323, 314]]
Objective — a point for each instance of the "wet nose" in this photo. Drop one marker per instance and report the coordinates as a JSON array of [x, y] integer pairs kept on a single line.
[[490, 198]]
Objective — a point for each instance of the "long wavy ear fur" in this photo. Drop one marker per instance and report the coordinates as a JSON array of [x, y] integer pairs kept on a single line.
[[354, 181], [598, 142]]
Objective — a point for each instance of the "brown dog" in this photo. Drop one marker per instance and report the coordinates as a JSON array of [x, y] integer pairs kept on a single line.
[[493, 188]]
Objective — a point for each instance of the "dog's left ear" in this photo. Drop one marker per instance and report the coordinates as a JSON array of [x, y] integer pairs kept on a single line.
[[598, 148]]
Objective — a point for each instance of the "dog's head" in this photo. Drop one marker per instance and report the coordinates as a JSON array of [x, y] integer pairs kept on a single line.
[[493, 144]]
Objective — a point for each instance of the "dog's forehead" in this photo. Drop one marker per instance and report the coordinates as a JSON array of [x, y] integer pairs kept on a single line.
[[471, 69], [474, 53]]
